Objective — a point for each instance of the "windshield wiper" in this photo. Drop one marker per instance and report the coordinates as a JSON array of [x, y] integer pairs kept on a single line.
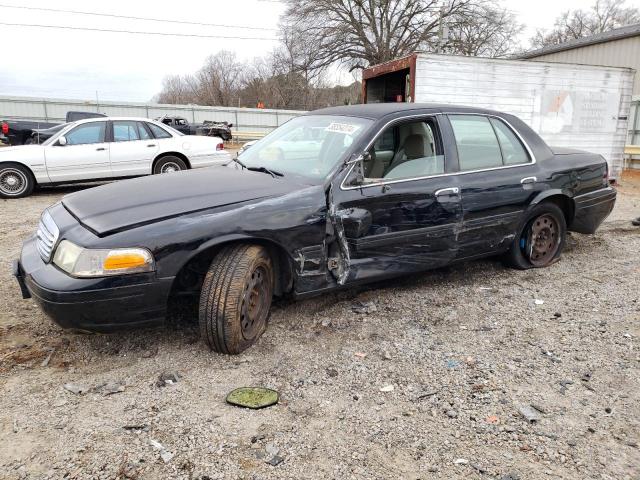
[[273, 173]]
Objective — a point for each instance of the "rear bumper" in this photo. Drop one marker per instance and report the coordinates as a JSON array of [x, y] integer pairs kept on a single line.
[[98, 305], [592, 208]]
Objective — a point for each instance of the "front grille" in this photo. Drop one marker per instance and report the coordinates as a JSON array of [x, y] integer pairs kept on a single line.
[[47, 236]]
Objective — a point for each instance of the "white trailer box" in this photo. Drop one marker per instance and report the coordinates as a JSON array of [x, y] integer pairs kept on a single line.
[[578, 106]]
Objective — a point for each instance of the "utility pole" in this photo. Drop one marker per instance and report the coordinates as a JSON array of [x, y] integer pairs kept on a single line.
[[97, 103], [443, 32]]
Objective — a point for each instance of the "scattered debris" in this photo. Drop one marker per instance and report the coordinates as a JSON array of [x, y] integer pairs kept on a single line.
[[165, 455], [364, 307], [426, 394], [461, 461], [109, 388], [387, 388], [75, 389], [253, 397], [275, 460], [537, 301], [143, 427], [453, 363], [529, 413], [386, 355], [46, 361], [451, 413], [360, 354], [15, 426], [492, 419], [272, 449], [166, 379]]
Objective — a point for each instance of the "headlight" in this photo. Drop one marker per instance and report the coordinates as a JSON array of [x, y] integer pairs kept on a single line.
[[83, 262]]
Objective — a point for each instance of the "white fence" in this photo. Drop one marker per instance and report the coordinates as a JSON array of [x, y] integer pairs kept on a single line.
[[55, 110]]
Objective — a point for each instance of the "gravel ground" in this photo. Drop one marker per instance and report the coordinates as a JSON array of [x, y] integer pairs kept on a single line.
[[427, 383]]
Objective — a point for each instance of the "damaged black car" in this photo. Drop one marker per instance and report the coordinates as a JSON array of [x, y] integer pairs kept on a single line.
[[334, 198]]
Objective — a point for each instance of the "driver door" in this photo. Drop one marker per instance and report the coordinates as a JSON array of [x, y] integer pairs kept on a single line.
[[84, 157], [406, 217]]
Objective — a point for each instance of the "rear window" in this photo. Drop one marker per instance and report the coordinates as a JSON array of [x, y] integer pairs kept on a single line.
[[476, 141]]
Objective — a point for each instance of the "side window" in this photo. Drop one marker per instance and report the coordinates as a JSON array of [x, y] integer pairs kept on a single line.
[[157, 131], [408, 150], [142, 132], [513, 151], [87, 133], [476, 141], [125, 131]]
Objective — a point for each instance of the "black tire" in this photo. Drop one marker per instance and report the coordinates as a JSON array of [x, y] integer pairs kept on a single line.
[[547, 222], [235, 300], [169, 164], [16, 180]]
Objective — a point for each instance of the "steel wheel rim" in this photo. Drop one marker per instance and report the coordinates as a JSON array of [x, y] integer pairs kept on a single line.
[[12, 182], [255, 303], [544, 240], [170, 167]]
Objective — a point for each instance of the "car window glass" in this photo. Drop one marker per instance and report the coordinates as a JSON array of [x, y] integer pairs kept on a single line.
[[476, 141], [158, 132], [513, 151], [86, 133], [142, 132], [125, 131], [407, 150]]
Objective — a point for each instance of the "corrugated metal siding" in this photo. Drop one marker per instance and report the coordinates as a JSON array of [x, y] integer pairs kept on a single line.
[[55, 110], [523, 88], [616, 53]]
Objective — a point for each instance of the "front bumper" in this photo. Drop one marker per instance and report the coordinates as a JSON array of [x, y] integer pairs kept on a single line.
[[97, 304], [592, 208]]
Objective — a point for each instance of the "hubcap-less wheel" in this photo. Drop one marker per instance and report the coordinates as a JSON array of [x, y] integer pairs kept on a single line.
[[544, 240], [170, 167], [255, 303], [12, 182]]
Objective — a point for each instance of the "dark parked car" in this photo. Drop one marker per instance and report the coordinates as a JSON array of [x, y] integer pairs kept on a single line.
[[21, 132], [208, 128], [391, 189]]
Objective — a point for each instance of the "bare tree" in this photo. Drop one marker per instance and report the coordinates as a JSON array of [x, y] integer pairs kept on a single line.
[[177, 89], [358, 33], [219, 79], [604, 15], [485, 30]]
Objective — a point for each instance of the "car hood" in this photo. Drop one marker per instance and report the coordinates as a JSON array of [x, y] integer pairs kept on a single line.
[[129, 203]]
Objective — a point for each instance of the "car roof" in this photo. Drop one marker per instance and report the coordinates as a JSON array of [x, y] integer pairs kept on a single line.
[[103, 119], [378, 110]]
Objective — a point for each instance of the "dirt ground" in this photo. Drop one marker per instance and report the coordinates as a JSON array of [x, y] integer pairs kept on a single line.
[[457, 353]]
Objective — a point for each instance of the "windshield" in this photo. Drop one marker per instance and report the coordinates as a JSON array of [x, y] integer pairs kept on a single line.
[[310, 145]]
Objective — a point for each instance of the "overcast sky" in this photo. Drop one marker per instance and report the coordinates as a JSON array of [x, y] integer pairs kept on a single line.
[[60, 63]]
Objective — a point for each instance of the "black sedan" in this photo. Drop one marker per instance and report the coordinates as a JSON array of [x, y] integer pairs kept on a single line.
[[377, 191]]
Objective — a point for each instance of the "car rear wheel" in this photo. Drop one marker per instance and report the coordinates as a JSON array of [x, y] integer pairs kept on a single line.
[[540, 240], [236, 298], [169, 164], [15, 181]]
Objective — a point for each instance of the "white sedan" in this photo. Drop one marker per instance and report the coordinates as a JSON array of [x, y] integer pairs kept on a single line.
[[102, 149]]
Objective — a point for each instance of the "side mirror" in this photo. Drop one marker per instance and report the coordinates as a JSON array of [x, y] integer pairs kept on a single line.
[[62, 140], [358, 169]]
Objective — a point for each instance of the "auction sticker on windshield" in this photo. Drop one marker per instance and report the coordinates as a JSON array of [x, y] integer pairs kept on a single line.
[[347, 128]]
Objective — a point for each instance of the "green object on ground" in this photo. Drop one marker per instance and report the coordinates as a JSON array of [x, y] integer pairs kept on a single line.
[[253, 397]]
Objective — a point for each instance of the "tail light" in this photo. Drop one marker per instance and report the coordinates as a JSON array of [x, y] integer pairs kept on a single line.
[[5, 128], [605, 176], [220, 146]]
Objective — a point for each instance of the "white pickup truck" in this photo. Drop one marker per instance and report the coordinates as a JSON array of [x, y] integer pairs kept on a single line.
[[103, 149]]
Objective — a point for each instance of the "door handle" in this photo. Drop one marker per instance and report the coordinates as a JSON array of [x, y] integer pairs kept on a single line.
[[151, 145], [100, 149], [448, 192], [527, 180]]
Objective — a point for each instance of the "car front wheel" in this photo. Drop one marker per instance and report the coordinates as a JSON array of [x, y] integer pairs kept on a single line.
[[15, 181], [169, 164], [236, 298], [540, 240]]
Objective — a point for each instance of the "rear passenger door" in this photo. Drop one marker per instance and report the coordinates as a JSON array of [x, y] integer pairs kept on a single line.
[[133, 148], [497, 178]]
